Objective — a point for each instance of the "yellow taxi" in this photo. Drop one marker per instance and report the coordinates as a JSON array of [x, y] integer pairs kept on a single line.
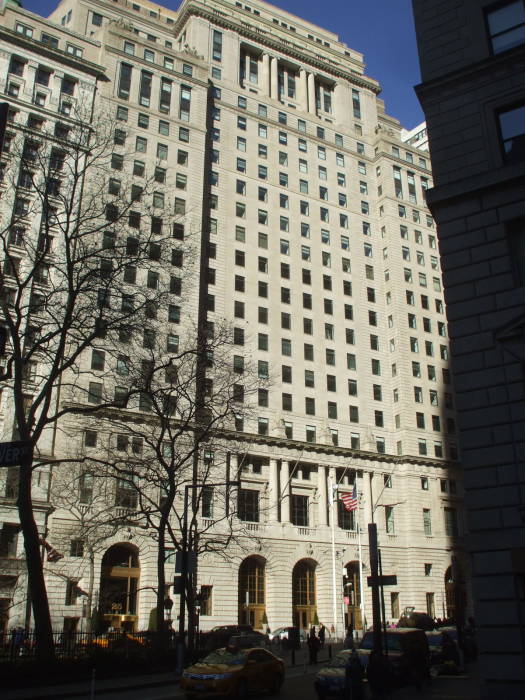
[[233, 672]]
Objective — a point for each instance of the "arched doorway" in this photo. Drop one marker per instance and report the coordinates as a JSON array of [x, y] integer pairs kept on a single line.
[[119, 584], [252, 592], [304, 612], [455, 593], [352, 596]]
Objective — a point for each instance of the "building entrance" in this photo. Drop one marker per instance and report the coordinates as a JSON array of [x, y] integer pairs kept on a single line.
[[304, 613], [118, 587]]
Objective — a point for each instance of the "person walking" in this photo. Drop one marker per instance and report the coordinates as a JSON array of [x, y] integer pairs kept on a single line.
[[313, 647], [348, 642], [321, 635]]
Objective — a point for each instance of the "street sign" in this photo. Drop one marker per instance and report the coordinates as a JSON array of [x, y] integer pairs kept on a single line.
[[382, 580], [191, 562], [12, 453]]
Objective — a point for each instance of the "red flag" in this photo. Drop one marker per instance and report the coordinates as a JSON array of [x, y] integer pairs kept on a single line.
[[350, 500]]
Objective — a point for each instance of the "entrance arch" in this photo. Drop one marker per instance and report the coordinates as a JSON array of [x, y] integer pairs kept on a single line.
[[252, 592], [455, 593], [304, 604], [119, 582], [352, 596]]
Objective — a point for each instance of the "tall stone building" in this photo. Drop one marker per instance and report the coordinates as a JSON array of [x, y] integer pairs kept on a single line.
[[322, 255], [473, 95]]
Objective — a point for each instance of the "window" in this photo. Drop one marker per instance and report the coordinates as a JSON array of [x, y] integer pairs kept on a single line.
[[512, 132], [451, 522], [506, 25], [248, 505], [389, 520], [94, 393], [216, 45], [299, 510]]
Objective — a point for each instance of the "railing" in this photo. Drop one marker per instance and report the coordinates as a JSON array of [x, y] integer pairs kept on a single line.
[[17, 644], [305, 531]]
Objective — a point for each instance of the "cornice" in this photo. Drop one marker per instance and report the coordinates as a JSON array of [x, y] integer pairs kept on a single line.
[[274, 43], [40, 49]]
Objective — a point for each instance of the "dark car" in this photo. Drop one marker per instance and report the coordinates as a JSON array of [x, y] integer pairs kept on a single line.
[[408, 654], [220, 636], [411, 618]]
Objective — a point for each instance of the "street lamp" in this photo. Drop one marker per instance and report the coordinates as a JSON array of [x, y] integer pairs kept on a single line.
[[184, 565]]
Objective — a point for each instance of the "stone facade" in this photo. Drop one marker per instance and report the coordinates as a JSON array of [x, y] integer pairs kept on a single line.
[[473, 80], [318, 226]]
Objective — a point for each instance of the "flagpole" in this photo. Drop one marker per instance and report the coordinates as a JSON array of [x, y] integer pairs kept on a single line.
[[361, 587], [334, 578]]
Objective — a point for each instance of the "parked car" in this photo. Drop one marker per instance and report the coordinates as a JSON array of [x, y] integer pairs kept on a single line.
[[408, 653], [233, 672], [411, 618], [283, 633], [219, 636], [330, 680]]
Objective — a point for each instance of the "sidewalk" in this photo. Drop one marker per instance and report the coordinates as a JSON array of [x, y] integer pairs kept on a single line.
[[82, 688]]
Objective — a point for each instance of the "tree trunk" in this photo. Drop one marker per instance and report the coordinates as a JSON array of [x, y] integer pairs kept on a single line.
[[35, 569], [161, 585], [89, 603]]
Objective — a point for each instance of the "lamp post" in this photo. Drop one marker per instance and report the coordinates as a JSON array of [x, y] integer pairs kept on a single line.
[[184, 569]]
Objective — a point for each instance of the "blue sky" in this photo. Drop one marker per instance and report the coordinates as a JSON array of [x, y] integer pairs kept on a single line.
[[383, 30]]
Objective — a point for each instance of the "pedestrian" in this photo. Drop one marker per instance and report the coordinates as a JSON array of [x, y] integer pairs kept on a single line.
[[321, 635], [313, 646], [450, 652], [348, 642], [354, 674]]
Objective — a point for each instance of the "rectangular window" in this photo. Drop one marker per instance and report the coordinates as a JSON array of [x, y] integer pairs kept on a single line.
[[216, 45], [248, 505], [299, 510], [389, 520], [124, 83], [451, 522], [512, 132], [506, 25], [427, 522]]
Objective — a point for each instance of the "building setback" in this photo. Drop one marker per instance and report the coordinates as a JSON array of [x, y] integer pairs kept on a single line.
[[320, 251], [473, 95]]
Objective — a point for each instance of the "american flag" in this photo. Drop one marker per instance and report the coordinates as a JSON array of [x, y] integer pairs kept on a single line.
[[350, 499]]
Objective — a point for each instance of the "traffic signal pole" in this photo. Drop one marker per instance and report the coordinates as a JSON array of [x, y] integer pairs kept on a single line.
[[374, 575]]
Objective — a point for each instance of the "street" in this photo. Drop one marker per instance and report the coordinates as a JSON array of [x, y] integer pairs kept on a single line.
[[300, 685]]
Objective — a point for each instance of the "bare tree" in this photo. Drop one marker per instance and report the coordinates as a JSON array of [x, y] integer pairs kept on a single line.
[[192, 402], [90, 521], [82, 257]]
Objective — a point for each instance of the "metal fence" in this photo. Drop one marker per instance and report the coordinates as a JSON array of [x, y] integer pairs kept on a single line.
[[18, 644]]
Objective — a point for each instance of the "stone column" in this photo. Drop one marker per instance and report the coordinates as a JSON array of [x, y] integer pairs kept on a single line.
[[265, 74], [274, 90], [311, 93], [322, 495], [285, 492], [302, 90], [246, 68], [341, 106], [273, 488]]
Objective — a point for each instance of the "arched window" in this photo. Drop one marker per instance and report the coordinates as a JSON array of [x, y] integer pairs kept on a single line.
[[252, 592]]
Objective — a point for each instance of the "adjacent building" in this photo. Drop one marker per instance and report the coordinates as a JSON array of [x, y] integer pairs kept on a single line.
[[473, 95], [322, 254]]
